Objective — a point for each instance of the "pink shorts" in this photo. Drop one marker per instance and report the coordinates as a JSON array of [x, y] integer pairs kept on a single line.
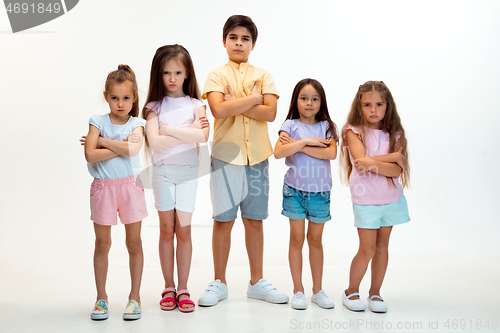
[[124, 195]]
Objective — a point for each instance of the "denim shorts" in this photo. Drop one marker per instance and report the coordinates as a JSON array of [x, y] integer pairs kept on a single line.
[[239, 186], [376, 216], [299, 205], [174, 186]]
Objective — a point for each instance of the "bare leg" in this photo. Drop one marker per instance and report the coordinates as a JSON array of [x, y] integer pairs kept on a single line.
[[166, 248], [359, 265], [254, 241], [297, 236], [380, 261], [221, 244], [314, 236], [102, 246], [136, 258], [184, 250]]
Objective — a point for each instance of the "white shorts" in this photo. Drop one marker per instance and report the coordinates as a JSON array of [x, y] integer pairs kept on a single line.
[[174, 186]]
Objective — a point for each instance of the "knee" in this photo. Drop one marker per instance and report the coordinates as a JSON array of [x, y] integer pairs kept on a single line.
[[314, 242], [223, 227], [102, 245], [183, 235], [297, 241], [166, 234], [134, 245], [366, 253], [382, 247]]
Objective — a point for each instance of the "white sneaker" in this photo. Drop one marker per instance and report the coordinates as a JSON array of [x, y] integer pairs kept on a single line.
[[265, 291], [215, 292], [353, 304], [299, 301], [376, 306], [322, 299]]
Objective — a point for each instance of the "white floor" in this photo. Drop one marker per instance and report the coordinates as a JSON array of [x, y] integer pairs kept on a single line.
[[50, 289]]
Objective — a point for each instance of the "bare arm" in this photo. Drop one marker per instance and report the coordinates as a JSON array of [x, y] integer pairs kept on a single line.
[[230, 106], [364, 163], [157, 141], [198, 132], [266, 111], [92, 153], [130, 147], [286, 146], [327, 153]]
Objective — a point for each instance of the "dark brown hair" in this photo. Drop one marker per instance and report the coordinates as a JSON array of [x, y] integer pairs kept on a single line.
[[240, 21], [323, 114], [122, 74], [390, 124]]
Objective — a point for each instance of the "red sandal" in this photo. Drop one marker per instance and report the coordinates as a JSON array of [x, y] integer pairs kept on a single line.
[[168, 299], [185, 301]]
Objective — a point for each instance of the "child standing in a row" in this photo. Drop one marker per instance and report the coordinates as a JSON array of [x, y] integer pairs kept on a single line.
[[374, 156], [111, 150], [176, 123], [242, 99], [308, 140]]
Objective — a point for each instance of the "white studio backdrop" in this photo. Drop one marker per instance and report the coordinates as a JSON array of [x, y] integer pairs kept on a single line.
[[439, 58]]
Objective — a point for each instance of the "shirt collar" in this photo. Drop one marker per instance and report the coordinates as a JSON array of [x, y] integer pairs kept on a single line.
[[236, 66]]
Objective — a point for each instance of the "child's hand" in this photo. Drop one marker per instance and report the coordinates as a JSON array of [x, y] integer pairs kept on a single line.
[[317, 142], [285, 139], [82, 140], [134, 138], [363, 164], [259, 99], [163, 129], [402, 160], [230, 94], [200, 123]]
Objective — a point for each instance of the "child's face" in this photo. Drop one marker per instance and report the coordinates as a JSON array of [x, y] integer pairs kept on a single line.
[[308, 104], [373, 107], [121, 98], [174, 74], [238, 44]]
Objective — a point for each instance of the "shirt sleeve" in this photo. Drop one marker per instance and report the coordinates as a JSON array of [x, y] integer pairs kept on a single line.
[[356, 131], [286, 127], [96, 121], [154, 106], [197, 105], [214, 82], [137, 122], [268, 85]]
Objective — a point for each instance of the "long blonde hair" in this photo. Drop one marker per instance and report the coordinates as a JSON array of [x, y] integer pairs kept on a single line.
[[390, 124]]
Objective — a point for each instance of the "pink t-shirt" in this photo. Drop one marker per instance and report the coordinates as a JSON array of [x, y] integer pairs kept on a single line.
[[178, 112], [371, 188]]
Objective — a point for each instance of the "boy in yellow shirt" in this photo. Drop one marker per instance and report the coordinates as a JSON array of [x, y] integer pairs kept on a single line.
[[242, 99]]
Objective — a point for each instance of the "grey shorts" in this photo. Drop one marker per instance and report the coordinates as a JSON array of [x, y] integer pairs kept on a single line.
[[243, 186]]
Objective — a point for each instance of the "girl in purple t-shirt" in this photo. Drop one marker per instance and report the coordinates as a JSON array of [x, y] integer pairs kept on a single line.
[[373, 158], [308, 140]]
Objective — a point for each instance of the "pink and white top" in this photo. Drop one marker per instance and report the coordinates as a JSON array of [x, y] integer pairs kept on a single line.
[[178, 112], [370, 188]]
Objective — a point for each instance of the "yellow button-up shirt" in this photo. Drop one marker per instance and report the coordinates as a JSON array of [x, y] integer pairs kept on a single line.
[[239, 139]]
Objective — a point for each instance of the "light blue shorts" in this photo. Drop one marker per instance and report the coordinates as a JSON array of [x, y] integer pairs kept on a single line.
[[174, 186], [239, 186], [299, 205], [376, 216]]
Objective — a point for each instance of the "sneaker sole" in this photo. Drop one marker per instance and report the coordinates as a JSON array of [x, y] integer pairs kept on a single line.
[[275, 301], [131, 316], [102, 316], [324, 306], [204, 303]]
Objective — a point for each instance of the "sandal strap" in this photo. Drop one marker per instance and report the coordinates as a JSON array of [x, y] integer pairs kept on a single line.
[[183, 292], [353, 294], [376, 296], [168, 290]]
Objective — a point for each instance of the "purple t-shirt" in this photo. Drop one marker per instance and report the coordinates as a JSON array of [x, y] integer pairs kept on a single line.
[[307, 173]]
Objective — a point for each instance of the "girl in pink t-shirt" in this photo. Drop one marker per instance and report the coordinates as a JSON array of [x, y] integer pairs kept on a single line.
[[373, 157], [176, 123]]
